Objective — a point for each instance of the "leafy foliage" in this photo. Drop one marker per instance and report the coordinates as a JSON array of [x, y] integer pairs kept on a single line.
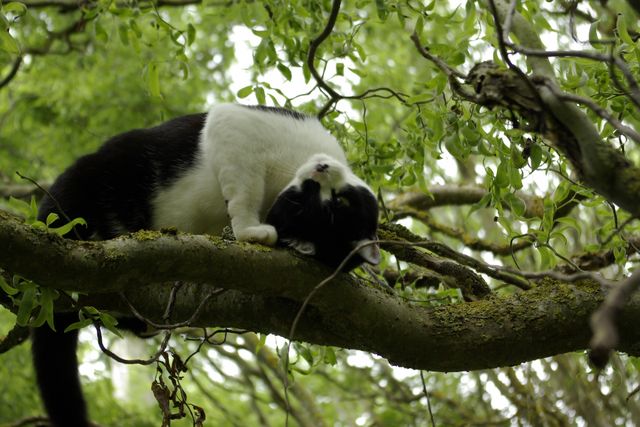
[[72, 75]]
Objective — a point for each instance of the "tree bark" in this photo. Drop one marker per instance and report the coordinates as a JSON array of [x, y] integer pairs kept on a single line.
[[265, 289]]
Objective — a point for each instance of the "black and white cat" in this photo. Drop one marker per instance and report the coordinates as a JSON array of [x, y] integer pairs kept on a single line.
[[276, 176]]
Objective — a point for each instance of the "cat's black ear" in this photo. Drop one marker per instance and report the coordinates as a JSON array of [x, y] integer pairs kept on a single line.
[[370, 252], [304, 247]]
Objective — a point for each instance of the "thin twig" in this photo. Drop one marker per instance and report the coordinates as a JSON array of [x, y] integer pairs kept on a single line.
[[53, 199], [443, 66], [604, 114], [335, 96], [313, 47], [426, 394], [187, 322], [12, 72], [153, 359], [509, 20], [502, 45], [634, 89]]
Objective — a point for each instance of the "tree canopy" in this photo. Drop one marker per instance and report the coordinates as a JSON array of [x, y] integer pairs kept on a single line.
[[500, 136]]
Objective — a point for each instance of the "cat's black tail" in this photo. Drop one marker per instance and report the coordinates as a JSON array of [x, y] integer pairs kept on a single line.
[[56, 366]]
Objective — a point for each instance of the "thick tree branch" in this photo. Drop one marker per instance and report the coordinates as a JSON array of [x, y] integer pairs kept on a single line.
[[455, 195], [267, 286]]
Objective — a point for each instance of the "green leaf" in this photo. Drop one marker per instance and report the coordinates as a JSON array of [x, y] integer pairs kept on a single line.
[[191, 34], [8, 289], [515, 179], [261, 33], [9, 44], [61, 231], [47, 296], [27, 303], [620, 255], [502, 175], [516, 204], [21, 207], [123, 32], [361, 53], [79, 325], [133, 25], [284, 70], [110, 323], [245, 91], [339, 69], [306, 73], [547, 258], [330, 356], [15, 7], [419, 28], [99, 31], [517, 159], [569, 222], [593, 33], [381, 8], [4, 23], [51, 218], [622, 30], [535, 156], [262, 340], [260, 95], [306, 354], [184, 67], [469, 134], [153, 76]]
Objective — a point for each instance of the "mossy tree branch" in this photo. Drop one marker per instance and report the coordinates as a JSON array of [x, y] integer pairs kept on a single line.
[[266, 288]]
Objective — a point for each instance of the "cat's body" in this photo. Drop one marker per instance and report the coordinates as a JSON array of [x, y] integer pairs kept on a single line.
[[274, 175]]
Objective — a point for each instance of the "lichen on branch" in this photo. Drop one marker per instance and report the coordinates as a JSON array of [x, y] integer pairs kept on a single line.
[[265, 288]]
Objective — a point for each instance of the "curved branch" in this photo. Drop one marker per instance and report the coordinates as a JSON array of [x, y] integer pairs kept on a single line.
[[470, 284], [311, 56], [12, 72], [604, 320], [456, 195], [267, 286], [16, 336], [335, 96]]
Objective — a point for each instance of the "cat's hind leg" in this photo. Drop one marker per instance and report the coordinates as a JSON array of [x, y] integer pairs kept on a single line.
[[244, 196]]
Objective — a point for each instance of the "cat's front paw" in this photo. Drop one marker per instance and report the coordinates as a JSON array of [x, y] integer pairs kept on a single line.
[[264, 233]]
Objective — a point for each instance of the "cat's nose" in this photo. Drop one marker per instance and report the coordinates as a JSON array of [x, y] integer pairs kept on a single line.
[[321, 167]]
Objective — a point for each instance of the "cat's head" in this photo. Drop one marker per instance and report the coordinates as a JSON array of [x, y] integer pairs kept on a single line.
[[326, 211]]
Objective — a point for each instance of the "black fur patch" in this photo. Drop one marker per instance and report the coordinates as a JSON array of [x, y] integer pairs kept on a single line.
[[333, 225], [111, 188]]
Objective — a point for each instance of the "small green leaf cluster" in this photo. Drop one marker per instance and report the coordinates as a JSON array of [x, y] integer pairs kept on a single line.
[[25, 295], [10, 13]]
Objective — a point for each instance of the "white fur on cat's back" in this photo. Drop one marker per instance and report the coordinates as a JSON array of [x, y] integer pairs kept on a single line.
[[247, 156]]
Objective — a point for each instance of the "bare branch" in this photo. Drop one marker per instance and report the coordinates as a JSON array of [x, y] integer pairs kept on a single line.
[[335, 96], [15, 337], [471, 285], [311, 56], [623, 129], [12, 73]]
